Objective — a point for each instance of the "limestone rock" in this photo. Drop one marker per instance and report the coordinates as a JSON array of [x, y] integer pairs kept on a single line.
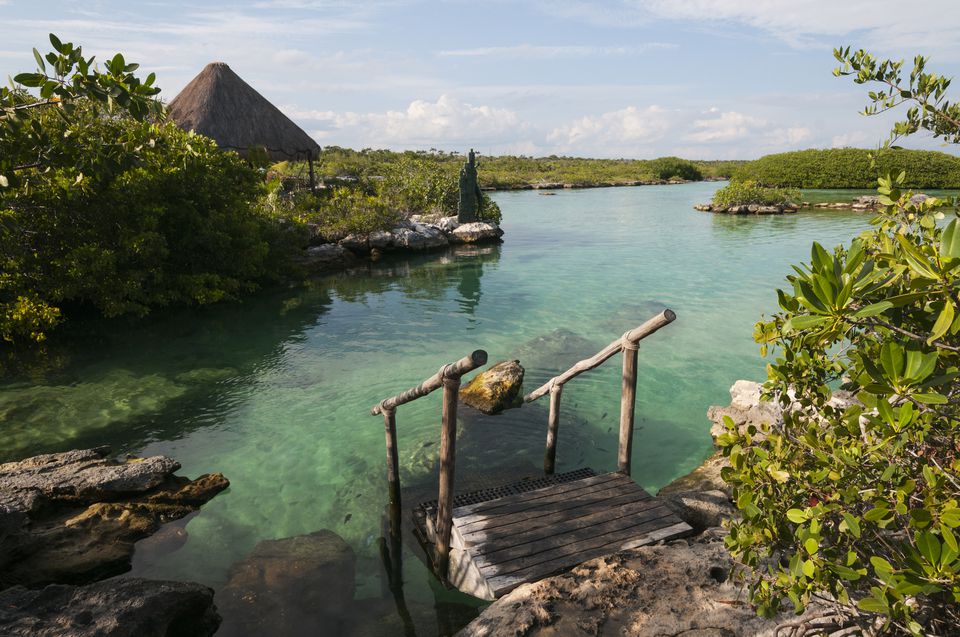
[[116, 608], [419, 236], [745, 409], [74, 517], [448, 224], [706, 477], [329, 256], [495, 389], [476, 232], [681, 588], [293, 586], [356, 243], [701, 509]]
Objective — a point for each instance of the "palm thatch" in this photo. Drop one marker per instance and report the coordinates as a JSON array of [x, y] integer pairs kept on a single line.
[[218, 104]]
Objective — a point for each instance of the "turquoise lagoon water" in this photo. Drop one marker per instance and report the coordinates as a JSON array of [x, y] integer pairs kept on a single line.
[[275, 392]]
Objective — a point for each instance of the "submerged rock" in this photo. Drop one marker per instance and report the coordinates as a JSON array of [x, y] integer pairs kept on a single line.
[[495, 389], [117, 608], [295, 586], [74, 517]]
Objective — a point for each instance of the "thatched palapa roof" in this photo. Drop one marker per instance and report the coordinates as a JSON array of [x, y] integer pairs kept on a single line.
[[218, 104]]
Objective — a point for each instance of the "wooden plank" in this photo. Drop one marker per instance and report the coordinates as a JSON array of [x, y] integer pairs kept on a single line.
[[556, 521], [549, 539], [511, 502], [504, 583], [545, 506]]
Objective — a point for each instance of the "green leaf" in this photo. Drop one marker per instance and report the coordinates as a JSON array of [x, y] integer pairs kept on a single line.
[[929, 547], [809, 568], [811, 545], [30, 79], [949, 539], [873, 309], [39, 59], [55, 41], [807, 321], [852, 523], [4, 183], [880, 565], [797, 516], [944, 321], [951, 517], [872, 605], [950, 241]]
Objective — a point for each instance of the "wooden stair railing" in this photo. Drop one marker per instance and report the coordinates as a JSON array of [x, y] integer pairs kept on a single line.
[[628, 344], [449, 378]]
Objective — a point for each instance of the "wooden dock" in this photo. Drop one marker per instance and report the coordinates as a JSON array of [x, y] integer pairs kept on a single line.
[[490, 541], [526, 531]]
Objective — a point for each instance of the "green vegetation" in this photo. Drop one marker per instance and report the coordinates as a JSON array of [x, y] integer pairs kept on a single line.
[[508, 172], [738, 193], [858, 506], [106, 206], [852, 168], [408, 184]]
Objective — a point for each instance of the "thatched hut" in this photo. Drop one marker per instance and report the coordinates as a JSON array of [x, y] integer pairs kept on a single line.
[[219, 104]]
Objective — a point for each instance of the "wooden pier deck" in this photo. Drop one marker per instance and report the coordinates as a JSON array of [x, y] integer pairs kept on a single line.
[[525, 531]]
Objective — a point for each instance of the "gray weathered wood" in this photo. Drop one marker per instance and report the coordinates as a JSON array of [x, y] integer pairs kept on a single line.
[[634, 523], [454, 370], [499, 544], [501, 584], [635, 335], [509, 503], [393, 471], [448, 456], [628, 401], [564, 502], [562, 528], [553, 424]]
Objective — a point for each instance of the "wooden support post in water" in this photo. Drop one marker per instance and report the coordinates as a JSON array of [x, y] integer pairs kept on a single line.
[[628, 401], [553, 423], [393, 470], [448, 455]]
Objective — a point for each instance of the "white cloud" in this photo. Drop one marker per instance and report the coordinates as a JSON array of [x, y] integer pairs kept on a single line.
[[626, 128], [531, 51], [729, 126], [789, 136], [853, 139], [422, 124], [884, 26]]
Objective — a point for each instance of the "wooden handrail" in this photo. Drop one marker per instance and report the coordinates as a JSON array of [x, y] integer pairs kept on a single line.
[[449, 378], [628, 344], [454, 370], [634, 336]]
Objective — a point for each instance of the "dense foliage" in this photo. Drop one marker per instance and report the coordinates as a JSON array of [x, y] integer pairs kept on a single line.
[[738, 193], [107, 206], [408, 184], [856, 504], [852, 168], [505, 172]]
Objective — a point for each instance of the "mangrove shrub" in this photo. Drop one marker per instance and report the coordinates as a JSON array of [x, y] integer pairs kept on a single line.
[[856, 504]]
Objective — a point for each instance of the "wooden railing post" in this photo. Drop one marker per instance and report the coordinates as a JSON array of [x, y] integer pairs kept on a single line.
[[553, 423], [628, 401], [448, 456], [393, 470]]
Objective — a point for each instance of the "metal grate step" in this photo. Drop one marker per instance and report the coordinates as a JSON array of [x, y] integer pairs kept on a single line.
[[485, 495]]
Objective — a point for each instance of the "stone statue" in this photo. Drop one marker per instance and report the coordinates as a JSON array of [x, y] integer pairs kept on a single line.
[[470, 198]]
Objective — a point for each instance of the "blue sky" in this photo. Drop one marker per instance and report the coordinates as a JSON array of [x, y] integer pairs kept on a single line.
[[620, 78]]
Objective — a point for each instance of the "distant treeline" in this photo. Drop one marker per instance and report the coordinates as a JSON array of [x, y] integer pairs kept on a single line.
[[850, 168], [508, 172]]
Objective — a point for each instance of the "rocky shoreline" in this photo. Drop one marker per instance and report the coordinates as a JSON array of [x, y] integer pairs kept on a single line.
[[69, 520], [417, 234], [683, 587], [863, 203], [561, 185]]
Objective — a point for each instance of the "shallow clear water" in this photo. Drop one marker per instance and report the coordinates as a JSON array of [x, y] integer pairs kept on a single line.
[[275, 392]]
